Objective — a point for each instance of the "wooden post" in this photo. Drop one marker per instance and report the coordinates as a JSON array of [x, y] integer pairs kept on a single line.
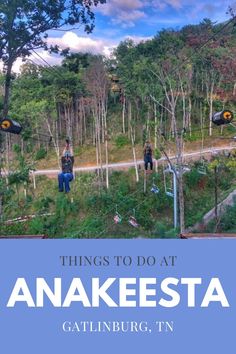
[[34, 180], [216, 193], [156, 166], [25, 191], [145, 182]]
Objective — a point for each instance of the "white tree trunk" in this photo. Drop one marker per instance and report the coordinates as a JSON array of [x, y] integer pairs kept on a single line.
[[123, 115], [134, 155]]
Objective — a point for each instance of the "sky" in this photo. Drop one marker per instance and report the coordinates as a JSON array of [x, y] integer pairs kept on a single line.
[[137, 19]]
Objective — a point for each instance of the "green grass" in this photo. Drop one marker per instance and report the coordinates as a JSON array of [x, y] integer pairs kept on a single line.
[[88, 210]]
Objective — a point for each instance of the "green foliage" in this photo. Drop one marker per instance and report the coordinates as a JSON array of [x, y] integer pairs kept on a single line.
[[157, 154], [43, 204], [15, 229], [64, 207], [227, 221], [193, 178], [120, 183], [16, 148], [21, 174], [42, 101], [90, 227], [77, 150], [121, 140], [172, 234], [91, 212], [3, 189], [40, 154], [19, 177], [37, 226], [29, 199], [160, 229], [45, 17]]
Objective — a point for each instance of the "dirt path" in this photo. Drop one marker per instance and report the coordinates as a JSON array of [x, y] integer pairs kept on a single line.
[[188, 156]]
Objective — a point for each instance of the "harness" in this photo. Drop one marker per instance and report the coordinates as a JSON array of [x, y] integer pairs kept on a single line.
[[67, 165], [148, 150]]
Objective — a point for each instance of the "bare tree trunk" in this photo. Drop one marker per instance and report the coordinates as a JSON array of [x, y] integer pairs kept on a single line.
[[84, 120], [22, 147], [155, 125], [94, 133], [210, 90], [60, 120], [7, 141], [169, 105], [104, 114], [98, 139], [77, 121], [123, 114], [7, 89], [148, 124], [101, 114], [179, 146], [190, 115], [68, 119], [234, 89], [216, 172], [38, 138], [210, 113], [71, 115], [134, 154], [183, 103], [107, 169], [55, 140], [179, 171], [96, 143], [129, 118]]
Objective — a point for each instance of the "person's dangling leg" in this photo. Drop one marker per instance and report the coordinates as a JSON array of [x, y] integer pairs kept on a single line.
[[68, 177], [61, 182], [151, 164], [146, 163]]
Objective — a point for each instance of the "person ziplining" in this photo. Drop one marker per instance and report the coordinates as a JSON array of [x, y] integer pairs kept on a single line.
[[67, 162], [147, 151]]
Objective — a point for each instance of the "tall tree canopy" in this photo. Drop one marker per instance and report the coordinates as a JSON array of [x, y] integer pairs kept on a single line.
[[24, 25]]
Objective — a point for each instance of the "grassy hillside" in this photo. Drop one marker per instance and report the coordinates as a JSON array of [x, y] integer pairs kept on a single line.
[[88, 210], [120, 149]]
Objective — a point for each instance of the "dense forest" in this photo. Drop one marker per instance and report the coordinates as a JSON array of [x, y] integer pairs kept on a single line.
[[165, 90]]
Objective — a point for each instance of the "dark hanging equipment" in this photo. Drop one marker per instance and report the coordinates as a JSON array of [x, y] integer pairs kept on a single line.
[[10, 126], [223, 117]]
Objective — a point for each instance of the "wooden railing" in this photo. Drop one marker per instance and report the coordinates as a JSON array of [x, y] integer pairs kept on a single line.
[[207, 236], [23, 236]]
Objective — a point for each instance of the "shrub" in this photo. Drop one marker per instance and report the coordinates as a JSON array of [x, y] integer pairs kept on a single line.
[[121, 140], [228, 222], [40, 154], [64, 207], [193, 178], [160, 229], [16, 148], [43, 204], [157, 154], [91, 227], [172, 233], [36, 226]]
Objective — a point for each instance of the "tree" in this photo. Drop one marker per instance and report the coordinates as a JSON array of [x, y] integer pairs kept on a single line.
[[98, 86], [24, 26], [168, 89]]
